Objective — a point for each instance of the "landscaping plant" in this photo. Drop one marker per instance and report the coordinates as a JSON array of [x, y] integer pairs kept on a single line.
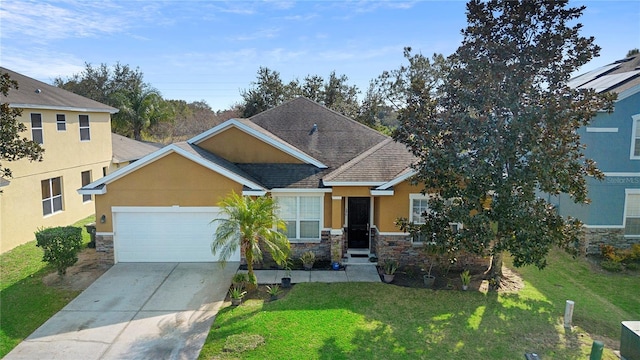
[[60, 245]]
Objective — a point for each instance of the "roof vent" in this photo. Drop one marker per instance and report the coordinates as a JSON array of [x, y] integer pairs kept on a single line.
[[313, 129], [38, 91]]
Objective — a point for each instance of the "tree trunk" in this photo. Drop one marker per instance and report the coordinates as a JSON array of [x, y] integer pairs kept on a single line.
[[495, 271]]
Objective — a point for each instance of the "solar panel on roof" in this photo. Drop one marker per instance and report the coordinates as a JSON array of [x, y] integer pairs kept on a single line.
[[607, 82], [585, 78]]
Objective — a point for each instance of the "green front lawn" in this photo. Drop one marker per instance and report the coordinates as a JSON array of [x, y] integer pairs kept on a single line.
[[379, 321], [25, 302]]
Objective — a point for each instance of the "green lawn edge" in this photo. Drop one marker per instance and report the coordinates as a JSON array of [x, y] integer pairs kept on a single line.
[[25, 301]]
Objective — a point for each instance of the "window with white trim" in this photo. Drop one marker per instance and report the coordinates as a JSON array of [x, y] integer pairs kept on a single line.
[[632, 214], [61, 122], [635, 137], [36, 128], [51, 195], [419, 205], [86, 180], [302, 214], [85, 134]]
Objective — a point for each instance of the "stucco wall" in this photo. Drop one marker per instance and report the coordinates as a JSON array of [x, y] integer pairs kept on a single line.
[[171, 180], [65, 156], [232, 144]]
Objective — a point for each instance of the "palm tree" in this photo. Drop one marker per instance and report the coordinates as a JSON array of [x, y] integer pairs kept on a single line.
[[139, 110], [250, 224]]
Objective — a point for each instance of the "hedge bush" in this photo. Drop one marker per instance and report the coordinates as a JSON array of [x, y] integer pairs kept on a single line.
[[60, 245]]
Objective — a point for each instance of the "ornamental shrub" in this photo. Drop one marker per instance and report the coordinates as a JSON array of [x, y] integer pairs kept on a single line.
[[60, 245]]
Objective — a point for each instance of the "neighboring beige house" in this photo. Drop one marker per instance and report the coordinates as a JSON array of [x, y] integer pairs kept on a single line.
[[127, 151], [76, 135]]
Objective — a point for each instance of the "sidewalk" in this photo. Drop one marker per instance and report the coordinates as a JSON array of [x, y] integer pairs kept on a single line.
[[354, 273]]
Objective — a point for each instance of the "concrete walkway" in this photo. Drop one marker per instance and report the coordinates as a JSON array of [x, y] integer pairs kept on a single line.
[[353, 273], [135, 311]]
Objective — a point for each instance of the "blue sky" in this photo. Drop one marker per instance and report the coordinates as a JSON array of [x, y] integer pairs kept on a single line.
[[210, 50]]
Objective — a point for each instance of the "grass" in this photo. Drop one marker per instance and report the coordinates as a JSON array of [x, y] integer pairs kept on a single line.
[[25, 301], [380, 321]]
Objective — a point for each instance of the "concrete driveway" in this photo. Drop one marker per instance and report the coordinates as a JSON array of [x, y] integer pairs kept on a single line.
[[135, 311]]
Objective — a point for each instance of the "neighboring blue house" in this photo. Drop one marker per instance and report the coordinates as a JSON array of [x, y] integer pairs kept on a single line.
[[613, 141]]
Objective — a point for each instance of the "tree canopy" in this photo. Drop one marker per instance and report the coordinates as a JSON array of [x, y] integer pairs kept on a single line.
[[269, 91], [13, 146], [141, 106], [500, 128]]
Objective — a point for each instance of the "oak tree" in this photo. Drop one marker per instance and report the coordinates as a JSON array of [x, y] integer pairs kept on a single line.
[[13, 146], [503, 132]]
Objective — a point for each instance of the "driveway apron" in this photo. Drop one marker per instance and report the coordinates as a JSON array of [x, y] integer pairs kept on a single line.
[[135, 311]]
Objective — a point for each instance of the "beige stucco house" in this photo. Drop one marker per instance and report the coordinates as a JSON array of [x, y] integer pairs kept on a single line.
[[340, 186], [76, 135]]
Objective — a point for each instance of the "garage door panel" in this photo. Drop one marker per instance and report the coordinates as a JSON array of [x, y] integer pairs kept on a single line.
[[165, 234]]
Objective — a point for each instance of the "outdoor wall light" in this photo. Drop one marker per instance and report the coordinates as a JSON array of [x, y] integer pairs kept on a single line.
[[103, 219]]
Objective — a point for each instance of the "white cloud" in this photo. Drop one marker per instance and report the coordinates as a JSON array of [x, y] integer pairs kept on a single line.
[[42, 21], [30, 63], [268, 33]]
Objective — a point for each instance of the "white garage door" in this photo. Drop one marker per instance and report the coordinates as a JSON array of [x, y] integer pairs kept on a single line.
[[165, 234]]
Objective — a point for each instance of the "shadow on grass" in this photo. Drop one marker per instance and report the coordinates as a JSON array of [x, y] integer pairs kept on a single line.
[[378, 321]]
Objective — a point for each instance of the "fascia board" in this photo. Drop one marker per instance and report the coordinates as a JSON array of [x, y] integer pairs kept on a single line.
[[397, 180], [164, 152]]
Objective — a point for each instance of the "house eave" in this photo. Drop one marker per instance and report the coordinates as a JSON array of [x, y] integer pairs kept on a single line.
[[63, 108]]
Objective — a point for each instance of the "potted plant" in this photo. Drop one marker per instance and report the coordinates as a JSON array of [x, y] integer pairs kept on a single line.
[[286, 279], [465, 277], [389, 270], [274, 290], [335, 259], [236, 294], [308, 258]]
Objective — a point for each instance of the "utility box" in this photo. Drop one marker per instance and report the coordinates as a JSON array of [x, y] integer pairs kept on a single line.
[[630, 340]]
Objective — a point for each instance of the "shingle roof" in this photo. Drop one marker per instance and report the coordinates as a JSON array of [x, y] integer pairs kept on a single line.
[[125, 149], [278, 176], [616, 77], [381, 163], [215, 159], [336, 140], [32, 93]]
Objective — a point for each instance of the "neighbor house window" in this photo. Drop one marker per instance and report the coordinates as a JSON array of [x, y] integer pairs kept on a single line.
[[632, 214], [302, 214], [61, 122], [86, 180], [51, 195], [36, 128], [84, 128], [635, 137]]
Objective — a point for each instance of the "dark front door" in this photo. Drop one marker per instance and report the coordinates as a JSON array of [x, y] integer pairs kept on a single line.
[[358, 225]]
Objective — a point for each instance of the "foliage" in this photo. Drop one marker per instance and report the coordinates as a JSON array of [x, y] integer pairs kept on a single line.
[[240, 279], [390, 267], [611, 265], [618, 259], [308, 257], [632, 52], [465, 277], [140, 109], [250, 224], [377, 321], [60, 246], [269, 91], [502, 127], [12, 146], [237, 292], [274, 290], [120, 86]]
